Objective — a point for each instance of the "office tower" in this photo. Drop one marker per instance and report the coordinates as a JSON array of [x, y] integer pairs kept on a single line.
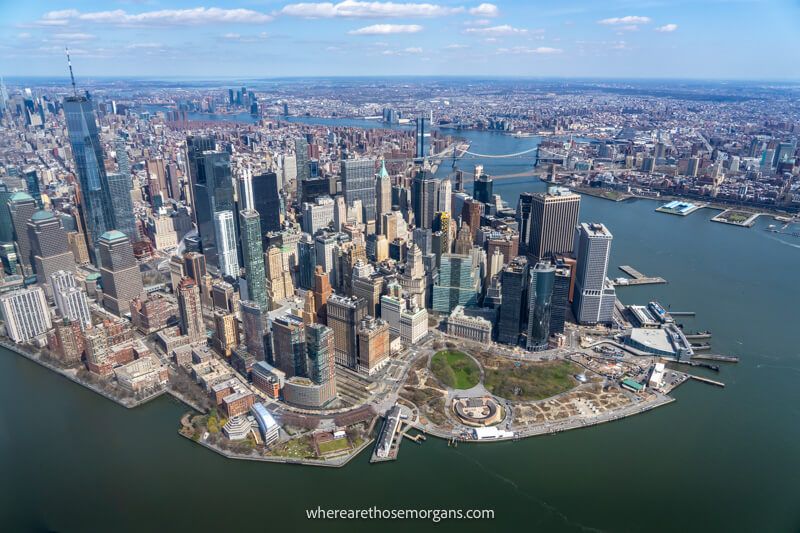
[[413, 323], [383, 196], [226, 333], [267, 200], [463, 243], [77, 245], [289, 345], [122, 280], [358, 183], [594, 294], [256, 331], [212, 191], [21, 207], [322, 291], [445, 196], [49, 246], [373, 345], [253, 254], [471, 214], [561, 286], [456, 283], [553, 218], [321, 364], [540, 305], [32, 184], [191, 312], [6, 225], [441, 222], [367, 284], [421, 127], [306, 261], [514, 308], [224, 296], [301, 161], [693, 168], [423, 238], [482, 187], [324, 245], [122, 217], [123, 163], [26, 314], [523, 217], [87, 152], [228, 259], [424, 198], [70, 300], [344, 315], [279, 279], [318, 215]]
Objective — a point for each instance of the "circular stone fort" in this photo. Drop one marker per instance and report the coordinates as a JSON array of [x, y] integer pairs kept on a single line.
[[478, 411]]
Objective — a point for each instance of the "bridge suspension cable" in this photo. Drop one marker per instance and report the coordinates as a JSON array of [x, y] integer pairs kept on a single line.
[[501, 156]]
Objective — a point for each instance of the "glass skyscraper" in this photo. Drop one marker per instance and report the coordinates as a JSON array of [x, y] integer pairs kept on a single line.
[[540, 307], [513, 308], [456, 283], [119, 190], [88, 155], [358, 183], [253, 253]]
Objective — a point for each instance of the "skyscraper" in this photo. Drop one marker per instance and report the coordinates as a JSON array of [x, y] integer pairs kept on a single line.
[[421, 127], [424, 198], [6, 225], [289, 345], [225, 229], [253, 253], [524, 219], [49, 246], [267, 200], [87, 152], [482, 187], [70, 299], [540, 307], [383, 196], [212, 191], [191, 312], [514, 306], [456, 283], [563, 279], [21, 207], [321, 364], [32, 184], [119, 190], [594, 294], [358, 183], [373, 344], [344, 315], [256, 331], [122, 280], [553, 218]]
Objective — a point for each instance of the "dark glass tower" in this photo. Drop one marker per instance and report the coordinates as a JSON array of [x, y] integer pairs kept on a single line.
[[540, 308], [482, 188], [119, 189], [267, 201], [253, 253], [212, 190], [513, 308], [88, 154]]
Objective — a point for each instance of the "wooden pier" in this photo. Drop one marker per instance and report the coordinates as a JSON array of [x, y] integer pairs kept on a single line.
[[637, 278]]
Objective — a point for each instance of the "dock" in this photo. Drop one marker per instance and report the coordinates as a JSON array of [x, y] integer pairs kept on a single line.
[[712, 357], [682, 313], [708, 381], [637, 278], [698, 336]]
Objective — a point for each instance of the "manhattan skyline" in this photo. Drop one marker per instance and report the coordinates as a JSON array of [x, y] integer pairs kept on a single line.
[[272, 39]]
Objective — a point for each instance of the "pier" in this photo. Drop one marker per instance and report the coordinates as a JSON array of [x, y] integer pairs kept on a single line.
[[708, 381], [682, 313], [702, 335], [712, 357], [637, 278]]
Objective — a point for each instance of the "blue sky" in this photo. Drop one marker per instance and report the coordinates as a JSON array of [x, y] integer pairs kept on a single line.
[[731, 39]]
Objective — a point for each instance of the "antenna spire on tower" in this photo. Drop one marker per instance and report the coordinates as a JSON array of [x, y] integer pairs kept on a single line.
[[71, 75]]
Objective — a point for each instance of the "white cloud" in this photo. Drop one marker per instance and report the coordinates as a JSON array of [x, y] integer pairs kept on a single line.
[[386, 29], [456, 46], [232, 36], [541, 50], [403, 51], [504, 29], [164, 17], [139, 46], [73, 36], [485, 10], [629, 20], [359, 9], [666, 28]]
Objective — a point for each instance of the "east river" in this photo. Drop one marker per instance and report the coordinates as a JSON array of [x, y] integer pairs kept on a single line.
[[715, 460]]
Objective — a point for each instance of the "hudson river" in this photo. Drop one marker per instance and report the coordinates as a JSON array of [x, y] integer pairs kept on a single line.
[[715, 460]]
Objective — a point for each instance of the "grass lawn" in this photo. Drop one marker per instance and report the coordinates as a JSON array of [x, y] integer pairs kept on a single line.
[[530, 381], [300, 448], [335, 445], [455, 369]]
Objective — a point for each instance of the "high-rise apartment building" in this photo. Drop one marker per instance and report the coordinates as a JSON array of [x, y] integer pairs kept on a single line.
[[190, 312], [253, 255], [227, 253], [26, 314]]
